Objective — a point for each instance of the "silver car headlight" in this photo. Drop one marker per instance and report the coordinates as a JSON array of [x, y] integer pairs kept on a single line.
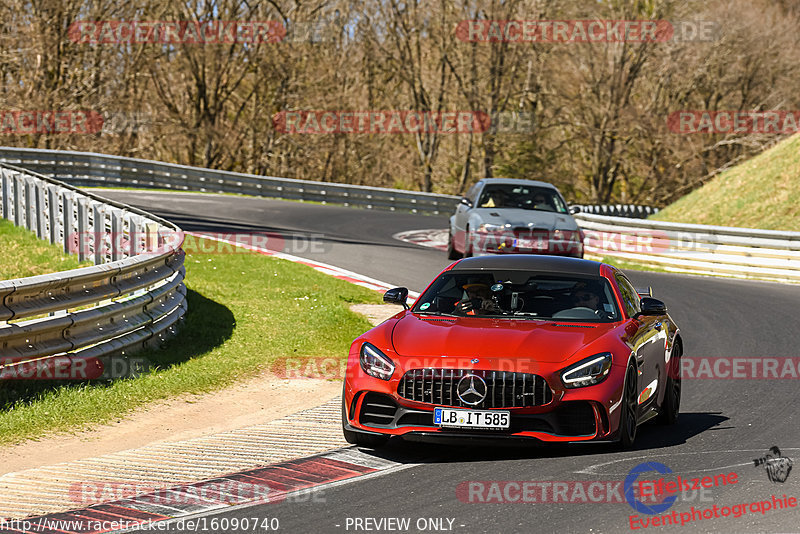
[[587, 372], [493, 228], [375, 363]]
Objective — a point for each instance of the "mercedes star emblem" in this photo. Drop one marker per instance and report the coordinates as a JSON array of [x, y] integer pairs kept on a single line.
[[471, 389]]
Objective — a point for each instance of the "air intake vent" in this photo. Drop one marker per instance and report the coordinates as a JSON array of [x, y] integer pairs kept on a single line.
[[377, 409]]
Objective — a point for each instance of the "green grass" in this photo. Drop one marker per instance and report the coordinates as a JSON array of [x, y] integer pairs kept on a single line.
[[23, 254], [245, 312], [763, 192]]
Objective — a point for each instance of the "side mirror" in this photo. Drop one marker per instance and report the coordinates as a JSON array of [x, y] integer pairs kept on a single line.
[[397, 295], [651, 306], [575, 209], [466, 202]]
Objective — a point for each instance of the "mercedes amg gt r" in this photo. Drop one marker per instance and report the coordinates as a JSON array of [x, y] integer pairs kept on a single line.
[[521, 346]]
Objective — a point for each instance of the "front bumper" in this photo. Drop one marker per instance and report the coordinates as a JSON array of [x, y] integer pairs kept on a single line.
[[521, 243], [585, 414]]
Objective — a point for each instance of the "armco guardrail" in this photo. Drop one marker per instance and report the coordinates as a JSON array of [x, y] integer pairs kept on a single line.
[[631, 211], [90, 169], [737, 252], [133, 297], [695, 248]]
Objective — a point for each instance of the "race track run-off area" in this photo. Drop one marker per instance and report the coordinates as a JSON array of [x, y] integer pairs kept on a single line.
[[725, 425]]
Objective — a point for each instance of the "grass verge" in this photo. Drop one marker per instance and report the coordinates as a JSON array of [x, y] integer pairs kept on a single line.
[[246, 310], [24, 254], [763, 192]]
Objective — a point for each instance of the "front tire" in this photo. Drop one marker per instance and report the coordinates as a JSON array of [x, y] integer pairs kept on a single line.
[[629, 419], [672, 396], [452, 253], [370, 441]]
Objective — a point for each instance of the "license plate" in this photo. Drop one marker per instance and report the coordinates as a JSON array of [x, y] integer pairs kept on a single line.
[[454, 418], [538, 244]]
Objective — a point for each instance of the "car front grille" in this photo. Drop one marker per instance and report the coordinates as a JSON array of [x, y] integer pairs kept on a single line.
[[503, 389]]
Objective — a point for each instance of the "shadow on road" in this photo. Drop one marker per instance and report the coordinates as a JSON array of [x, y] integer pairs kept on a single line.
[[650, 437]]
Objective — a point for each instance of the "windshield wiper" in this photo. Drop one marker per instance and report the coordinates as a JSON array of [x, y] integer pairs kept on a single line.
[[437, 314]]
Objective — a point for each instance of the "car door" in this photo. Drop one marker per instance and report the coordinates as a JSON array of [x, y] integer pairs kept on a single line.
[[647, 344], [462, 215]]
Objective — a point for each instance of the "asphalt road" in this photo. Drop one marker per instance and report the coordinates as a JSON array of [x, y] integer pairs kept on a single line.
[[724, 424]]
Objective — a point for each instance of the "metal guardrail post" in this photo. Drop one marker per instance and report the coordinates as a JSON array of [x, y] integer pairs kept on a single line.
[[6, 185], [67, 207], [151, 237], [97, 232], [134, 235], [18, 205], [116, 235], [83, 227], [52, 214], [30, 206], [41, 213]]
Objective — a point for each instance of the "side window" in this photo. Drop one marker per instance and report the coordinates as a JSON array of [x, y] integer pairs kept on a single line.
[[630, 298]]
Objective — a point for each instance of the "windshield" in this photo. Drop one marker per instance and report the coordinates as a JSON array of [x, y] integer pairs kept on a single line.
[[522, 197], [519, 294]]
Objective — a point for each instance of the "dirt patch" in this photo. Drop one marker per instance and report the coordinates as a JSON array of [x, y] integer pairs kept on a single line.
[[252, 402], [376, 313]]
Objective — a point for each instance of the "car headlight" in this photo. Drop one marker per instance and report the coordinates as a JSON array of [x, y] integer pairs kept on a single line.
[[375, 363], [566, 235], [587, 372], [487, 227]]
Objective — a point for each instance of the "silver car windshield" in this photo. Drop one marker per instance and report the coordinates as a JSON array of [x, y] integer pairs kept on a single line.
[[521, 197], [517, 294]]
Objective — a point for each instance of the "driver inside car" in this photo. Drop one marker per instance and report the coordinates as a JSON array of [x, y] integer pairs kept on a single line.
[[478, 300], [494, 198]]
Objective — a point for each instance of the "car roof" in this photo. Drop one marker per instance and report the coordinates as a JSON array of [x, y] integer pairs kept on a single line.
[[516, 181], [530, 262]]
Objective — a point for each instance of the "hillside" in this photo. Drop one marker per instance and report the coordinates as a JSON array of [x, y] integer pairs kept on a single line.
[[763, 192]]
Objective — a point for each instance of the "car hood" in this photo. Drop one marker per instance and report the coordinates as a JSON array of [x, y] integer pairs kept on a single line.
[[478, 337], [519, 217]]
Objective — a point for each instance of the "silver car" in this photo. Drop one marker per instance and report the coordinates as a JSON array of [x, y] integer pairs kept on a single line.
[[502, 216]]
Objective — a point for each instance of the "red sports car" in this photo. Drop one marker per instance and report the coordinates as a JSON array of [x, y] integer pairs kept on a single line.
[[524, 346]]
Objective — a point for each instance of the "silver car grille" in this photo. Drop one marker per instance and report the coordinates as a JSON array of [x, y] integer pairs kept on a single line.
[[503, 389]]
